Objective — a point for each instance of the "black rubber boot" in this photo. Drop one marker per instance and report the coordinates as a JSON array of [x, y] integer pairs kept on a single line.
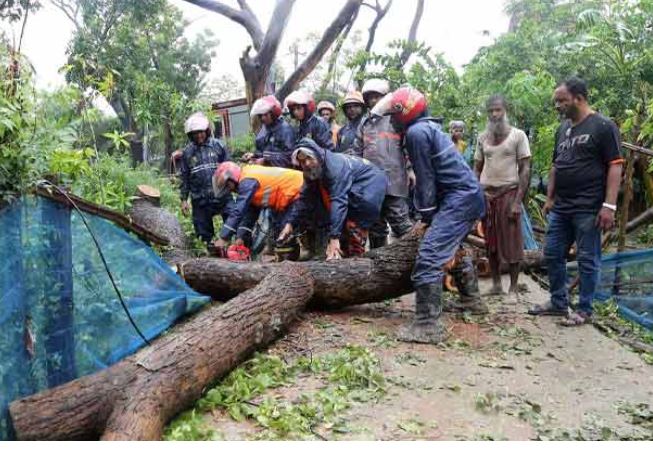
[[287, 251], [378, 241], [426, 328], [466, 280]]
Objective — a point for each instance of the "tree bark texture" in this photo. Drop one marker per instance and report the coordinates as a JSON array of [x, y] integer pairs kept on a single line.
[[333, 58], [412, 34], [245, 17], [152, 217], [116, 217], [383, 274], [256, 69], [380, 11], [135, 398], [342, 20]]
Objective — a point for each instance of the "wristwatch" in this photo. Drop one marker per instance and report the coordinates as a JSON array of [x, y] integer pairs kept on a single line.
[[609, 206]]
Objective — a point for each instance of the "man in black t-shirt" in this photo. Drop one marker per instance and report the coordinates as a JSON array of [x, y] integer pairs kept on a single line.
[[581, 198]]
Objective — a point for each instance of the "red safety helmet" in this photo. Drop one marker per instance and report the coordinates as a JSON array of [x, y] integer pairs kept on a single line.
[[267, 104], [301, 98], [238, 253], [405, 104], [226, 171]]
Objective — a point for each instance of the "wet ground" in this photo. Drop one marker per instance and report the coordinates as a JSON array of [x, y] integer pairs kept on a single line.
[[505, 376]]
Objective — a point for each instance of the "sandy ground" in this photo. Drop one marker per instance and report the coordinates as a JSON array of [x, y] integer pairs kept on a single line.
[[506, 376]]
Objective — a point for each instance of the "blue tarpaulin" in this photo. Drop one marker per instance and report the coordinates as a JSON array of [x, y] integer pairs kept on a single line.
[[60, 316]]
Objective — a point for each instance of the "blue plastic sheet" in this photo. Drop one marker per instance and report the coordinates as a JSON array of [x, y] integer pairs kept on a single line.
[[627, 277], [527, 231], [60, 317]]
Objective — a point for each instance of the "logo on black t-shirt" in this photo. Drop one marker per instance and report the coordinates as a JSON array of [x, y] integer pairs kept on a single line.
[[563, 148]]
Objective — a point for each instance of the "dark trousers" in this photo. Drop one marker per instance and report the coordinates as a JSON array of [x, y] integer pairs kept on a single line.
[[203, 213], [438, 247], [395, 213], [563, 231]]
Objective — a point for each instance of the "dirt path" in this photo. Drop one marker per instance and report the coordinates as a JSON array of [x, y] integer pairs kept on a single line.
[[508, 376]]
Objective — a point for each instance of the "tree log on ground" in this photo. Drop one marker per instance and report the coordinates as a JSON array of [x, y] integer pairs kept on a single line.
[[135, 398], [116, 217], [383, 274], [146, 213]]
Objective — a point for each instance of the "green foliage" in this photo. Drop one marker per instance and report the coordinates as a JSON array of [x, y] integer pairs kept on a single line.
[[71, 165], [16, 121], [240, 145], [639, 414], [429, 73], [350, 375], [610, 321], [118, 140], [14, 10], [189, 426], [142, 63]]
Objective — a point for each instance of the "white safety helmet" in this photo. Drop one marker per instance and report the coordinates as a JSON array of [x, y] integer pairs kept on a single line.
[[267, 104], [196, 122], [376, 85], [325, 104], [300, 97]]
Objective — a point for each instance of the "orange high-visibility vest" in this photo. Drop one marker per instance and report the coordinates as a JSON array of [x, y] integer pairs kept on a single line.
[[278, 187]]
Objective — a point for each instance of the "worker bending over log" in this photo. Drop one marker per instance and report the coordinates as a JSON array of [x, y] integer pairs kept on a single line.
[[350, 188], [259, 187]]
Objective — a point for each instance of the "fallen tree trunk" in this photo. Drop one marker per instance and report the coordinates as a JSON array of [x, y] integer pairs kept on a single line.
[[383, 274], [116, 217], [135, 398], [148, 214]]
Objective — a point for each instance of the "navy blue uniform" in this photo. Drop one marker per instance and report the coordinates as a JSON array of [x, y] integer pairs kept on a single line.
[[243, 215], [347, 136], [198, 164], [447, 195], [275, 144], [316, 129], [355, 189]]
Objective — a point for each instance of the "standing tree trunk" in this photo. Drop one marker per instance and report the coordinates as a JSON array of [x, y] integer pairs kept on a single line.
[[168, 142], [333, 58], [412, 34], [345, 16], [135, 398], [256, 69], [380, 11]]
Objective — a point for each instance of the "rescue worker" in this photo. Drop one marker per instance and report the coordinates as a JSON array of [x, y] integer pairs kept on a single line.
[[258, 187], [275, 139], [327, 111], [378, 141], [352, 190], [198, 162], [450, 201], [353, 106], [302, 108]]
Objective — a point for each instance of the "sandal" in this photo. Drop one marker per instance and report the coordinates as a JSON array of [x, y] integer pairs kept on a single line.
[[548, 309], [575, 319]]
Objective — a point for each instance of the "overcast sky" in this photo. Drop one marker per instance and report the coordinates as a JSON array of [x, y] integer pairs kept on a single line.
[[456, 28]]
